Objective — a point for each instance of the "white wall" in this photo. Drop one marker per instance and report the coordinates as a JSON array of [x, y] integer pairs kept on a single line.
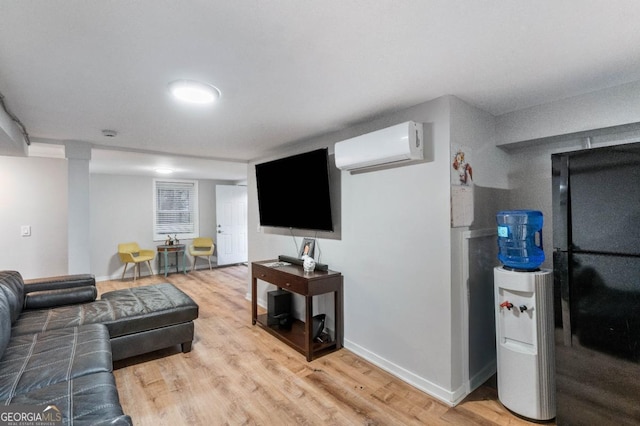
[[207, 207], [33, 191], [122, 211], [394, 254], [591, 112], [475, 129], [472, 313]]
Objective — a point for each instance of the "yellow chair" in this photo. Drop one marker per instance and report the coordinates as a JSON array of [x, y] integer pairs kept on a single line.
[[202, 247], [131, 253]]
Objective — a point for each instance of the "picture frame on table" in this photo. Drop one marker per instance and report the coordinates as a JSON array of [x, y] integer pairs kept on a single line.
[[308, 247]]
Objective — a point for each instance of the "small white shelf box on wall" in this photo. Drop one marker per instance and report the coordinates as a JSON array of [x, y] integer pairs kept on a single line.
[[525, 342], [396, 144]]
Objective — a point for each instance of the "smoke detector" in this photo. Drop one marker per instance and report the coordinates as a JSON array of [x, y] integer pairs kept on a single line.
[[109, 133]]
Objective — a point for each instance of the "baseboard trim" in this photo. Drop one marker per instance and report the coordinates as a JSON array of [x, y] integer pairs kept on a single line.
[[482, 376], [118, 276], [448, 397]]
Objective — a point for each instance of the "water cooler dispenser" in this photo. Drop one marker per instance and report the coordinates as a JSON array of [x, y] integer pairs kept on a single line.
[[524, 318]]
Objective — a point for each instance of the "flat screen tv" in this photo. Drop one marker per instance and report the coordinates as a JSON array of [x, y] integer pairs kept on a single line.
[[293, 192]]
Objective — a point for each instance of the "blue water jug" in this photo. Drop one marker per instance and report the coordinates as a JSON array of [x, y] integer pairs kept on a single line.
[[518, 247]]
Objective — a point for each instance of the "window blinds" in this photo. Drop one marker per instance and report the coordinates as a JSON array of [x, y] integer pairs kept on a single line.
[[175, 208]]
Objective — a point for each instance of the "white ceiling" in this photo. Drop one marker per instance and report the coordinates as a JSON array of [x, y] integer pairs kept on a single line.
[[120, 162], [135, 163], [290, 70]]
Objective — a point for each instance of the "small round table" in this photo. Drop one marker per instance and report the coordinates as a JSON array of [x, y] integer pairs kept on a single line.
[[174, 248]]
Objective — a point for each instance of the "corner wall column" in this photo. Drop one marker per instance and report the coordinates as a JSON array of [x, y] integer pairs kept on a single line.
[[79, 239]]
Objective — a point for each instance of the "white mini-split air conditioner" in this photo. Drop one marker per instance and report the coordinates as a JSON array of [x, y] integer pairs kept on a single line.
[[399, 143]]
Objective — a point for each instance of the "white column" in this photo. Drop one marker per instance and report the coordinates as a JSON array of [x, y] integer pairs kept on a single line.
[[79, 242]]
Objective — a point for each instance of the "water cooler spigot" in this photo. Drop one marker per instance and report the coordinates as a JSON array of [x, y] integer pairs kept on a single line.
[[506, 304], [522, 308]]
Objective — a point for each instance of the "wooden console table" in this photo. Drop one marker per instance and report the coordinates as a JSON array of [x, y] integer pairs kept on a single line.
[[292, 278]]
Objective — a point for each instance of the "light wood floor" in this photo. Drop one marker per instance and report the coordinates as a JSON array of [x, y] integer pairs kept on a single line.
[[238, 374]]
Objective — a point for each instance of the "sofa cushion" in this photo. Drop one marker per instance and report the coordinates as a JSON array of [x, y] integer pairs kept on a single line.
[[40, 320], [42, 293], [59, 297], [122, 311], [62, 281], [12, 286], [35, 361], [86, 400]]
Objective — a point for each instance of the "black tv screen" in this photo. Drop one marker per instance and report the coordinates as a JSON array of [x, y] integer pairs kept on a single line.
[[293, 192]]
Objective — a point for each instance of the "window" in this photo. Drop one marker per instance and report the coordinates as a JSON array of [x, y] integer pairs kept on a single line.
[[175, 208]]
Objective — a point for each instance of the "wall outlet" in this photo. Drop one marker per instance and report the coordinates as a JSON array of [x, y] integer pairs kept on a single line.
[[25, 230]]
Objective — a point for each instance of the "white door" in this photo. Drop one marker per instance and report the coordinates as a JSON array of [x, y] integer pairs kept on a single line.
[[231, 214]]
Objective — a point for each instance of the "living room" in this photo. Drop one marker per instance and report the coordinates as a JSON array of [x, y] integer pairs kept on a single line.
[[404, 307]]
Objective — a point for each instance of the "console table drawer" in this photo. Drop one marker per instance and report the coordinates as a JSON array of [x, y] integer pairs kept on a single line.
[[287, 281], [294, 284]]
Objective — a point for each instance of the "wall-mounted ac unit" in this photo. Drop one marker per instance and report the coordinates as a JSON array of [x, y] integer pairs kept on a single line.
[[399, 143]]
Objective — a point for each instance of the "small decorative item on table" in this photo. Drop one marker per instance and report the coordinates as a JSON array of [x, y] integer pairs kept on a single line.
[[308, 263]]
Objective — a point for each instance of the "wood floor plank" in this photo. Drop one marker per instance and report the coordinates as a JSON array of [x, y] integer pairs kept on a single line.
[[237, 374]]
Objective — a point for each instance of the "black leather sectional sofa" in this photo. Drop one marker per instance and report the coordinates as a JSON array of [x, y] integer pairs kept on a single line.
[[58, 343]]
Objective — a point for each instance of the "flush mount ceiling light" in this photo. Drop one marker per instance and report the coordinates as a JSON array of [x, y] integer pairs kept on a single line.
[[164, 171], [194, 92]]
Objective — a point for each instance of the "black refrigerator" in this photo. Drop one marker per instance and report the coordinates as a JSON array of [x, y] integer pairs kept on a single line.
[[596, 262]]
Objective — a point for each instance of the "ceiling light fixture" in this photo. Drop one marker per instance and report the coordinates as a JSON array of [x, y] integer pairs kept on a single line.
[[194, 92], [164, 171]]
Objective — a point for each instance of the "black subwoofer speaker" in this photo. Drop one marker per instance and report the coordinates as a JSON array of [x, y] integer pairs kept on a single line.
[[279, 308]]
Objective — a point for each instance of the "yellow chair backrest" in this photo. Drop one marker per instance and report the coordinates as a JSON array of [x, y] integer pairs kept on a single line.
[[203, 242], [126, 249]]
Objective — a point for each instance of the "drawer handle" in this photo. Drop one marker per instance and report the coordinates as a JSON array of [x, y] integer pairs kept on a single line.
[[263, 275], [288, 285]]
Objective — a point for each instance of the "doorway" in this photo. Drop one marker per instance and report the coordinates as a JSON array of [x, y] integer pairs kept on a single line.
[[231, 229]]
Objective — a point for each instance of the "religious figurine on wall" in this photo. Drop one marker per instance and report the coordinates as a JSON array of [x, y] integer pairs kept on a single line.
[[465, 173]]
